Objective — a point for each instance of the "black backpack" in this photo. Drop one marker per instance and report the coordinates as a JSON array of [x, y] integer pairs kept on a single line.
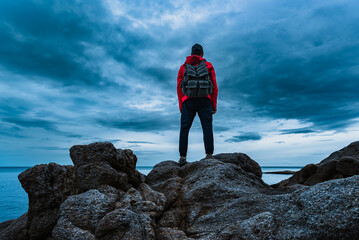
[[196, 81]]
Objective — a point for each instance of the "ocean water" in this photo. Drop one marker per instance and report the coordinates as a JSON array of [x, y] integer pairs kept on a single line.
[[276, 178], [14, 200]]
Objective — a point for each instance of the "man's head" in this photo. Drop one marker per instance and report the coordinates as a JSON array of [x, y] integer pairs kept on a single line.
[[197, 50]]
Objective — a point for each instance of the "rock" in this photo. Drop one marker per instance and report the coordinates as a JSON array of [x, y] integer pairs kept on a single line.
[[242, 160], [149, 194], [261, 226], [339, 164], [298, 177], [66, 230], [171, 234], [325, 172], [351, 150], [101, 163], [86, 209], [219, 200], [147, 201], [128, 162], [199, 209], [164, 177], [306, 172], [14, 229], [348, 166], [328, 210], [125, 224], [129, 198], [47, 185], [147, 207], [96, 164], [5, 224]]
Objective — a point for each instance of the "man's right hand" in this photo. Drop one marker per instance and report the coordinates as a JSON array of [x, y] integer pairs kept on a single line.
[[214, 110]]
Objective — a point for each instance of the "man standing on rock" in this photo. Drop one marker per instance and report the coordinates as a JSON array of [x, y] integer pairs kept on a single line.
[[197, 93]]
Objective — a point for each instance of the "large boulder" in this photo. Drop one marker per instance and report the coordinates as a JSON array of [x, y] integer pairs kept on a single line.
[[47, 186], [125, 224], [101, 163], [109, 213], [242, 160], [205, 196], [348, 166], [219, 200], [329, 210], [87, 209]]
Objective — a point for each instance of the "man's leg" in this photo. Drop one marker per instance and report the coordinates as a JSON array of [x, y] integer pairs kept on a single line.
[[205, 115], [187, 117]]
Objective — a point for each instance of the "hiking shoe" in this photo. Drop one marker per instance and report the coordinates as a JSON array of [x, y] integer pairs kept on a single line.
[[209, 156], [182, 161]]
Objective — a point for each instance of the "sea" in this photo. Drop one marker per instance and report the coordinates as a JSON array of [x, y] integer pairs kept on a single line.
[[14, 200]]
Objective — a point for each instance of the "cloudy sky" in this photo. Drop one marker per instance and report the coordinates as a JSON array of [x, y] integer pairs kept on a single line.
[[80, 71]]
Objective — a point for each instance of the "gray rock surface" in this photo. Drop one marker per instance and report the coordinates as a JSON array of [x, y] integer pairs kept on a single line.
[[221, 201], [87, 209], [66, 230], [329, 210], [125, 224], [221, 198]]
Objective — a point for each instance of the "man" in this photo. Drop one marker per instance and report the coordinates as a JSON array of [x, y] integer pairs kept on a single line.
[[189, 106]]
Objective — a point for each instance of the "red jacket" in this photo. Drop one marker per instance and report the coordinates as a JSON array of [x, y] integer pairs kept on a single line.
[[195, 60]]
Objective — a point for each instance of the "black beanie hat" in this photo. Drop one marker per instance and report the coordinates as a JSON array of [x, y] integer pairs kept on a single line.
[[197, 49]]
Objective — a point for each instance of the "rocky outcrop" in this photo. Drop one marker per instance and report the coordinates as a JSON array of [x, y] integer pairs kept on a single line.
[[101, 163], [48, 185], [103, 197], [340, 164], [212, 199]]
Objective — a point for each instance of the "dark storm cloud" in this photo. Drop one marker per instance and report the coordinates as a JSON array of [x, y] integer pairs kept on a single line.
[[36, 41], [49, 148], [28, 123], [19, 115], [297, 131], [54, 40], [220, 128], [303, 67], [12, 134], [22, 122], [142, 123], [71, 65], [298, 62], [249, 136]]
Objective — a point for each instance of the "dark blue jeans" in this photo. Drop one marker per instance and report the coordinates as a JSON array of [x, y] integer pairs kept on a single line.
[[203, 107]]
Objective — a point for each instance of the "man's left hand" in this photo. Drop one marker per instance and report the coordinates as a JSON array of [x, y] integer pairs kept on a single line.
[[214, 110]]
